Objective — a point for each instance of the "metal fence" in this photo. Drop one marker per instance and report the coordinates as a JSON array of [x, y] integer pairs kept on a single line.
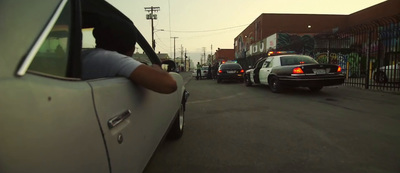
[[369, 54]]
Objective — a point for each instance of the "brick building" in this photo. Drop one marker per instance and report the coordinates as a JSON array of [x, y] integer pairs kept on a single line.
[[268, 24], [362, 43], [224, 55]]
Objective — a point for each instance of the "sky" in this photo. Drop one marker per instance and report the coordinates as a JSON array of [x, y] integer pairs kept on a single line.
[[202, 26]]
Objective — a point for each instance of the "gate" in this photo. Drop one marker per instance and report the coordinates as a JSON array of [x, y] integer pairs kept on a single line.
[[369, 54]]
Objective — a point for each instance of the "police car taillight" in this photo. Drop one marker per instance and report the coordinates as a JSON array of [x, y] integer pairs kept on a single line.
[[297, 70], [339, 69]]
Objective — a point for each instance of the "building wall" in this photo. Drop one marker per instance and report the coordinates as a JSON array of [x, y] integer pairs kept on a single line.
[[298, 23], [224, 54], [268, 24], [385, 9]]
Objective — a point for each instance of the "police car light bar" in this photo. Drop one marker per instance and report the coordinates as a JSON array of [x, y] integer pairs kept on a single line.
[[280, 52]]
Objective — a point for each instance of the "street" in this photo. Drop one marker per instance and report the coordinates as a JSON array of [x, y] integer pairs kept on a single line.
[[233, 128]]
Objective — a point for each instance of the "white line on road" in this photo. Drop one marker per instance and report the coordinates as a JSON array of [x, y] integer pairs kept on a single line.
[[210, 100]]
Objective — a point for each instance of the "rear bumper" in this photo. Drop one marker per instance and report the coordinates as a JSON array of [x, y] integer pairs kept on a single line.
[[233, 76], [312, 81]]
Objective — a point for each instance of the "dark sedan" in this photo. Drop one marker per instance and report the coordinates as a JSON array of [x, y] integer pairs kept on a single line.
[[230, 71]]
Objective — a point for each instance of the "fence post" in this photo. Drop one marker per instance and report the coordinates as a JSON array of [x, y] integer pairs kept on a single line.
[[347, 70], [367, 61]]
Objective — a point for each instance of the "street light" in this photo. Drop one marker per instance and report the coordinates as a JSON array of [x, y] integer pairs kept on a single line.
[[153, 41]]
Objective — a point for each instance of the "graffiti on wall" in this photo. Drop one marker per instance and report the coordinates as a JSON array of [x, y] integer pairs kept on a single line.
[[352, 59], [303, 44]]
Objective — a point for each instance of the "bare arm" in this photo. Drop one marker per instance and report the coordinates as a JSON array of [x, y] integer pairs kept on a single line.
[[154, 78]]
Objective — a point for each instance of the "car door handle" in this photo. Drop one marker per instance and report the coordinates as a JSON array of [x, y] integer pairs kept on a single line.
[[114, 121]]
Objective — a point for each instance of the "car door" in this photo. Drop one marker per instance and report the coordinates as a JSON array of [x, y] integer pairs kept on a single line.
[[140, 119], [48, 121], [266, 70], [133, 119], [255, 73]]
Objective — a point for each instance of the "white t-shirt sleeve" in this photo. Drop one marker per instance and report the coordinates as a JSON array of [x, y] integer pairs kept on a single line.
[[99, 63]]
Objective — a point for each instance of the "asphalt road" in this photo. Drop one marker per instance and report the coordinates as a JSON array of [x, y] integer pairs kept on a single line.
[[233, 128]]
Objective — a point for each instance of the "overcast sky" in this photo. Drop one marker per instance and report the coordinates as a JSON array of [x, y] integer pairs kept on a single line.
[[198, 24]]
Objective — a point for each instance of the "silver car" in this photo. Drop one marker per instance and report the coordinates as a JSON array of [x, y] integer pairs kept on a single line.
[[389, 73], [51, 119]]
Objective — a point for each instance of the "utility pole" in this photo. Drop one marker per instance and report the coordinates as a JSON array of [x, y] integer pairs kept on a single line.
[[204, 52], [181, 54], [211, 55], [152, 17], [174, 46], [185, 61]]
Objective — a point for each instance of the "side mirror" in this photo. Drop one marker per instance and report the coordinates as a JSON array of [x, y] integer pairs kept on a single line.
[[169, 66]]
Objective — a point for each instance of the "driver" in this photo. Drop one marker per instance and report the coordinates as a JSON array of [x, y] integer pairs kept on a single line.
[[113, 57]]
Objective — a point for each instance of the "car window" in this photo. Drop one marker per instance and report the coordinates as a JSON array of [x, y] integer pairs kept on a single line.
[[269, 64], [52, 56], [295, 60], [204, 68], [231, 66], [260, 63], [89, 42]]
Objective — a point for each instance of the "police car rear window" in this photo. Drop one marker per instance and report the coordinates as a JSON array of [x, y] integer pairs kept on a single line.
[[231, 66], [296, 60]]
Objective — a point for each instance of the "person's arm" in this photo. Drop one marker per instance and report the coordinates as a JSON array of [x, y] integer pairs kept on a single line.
[[154, 78]]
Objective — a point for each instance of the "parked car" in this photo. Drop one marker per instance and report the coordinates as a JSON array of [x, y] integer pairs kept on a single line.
[[291, 70], [389, 73], [204, 72], [54, 121], [230, 71]]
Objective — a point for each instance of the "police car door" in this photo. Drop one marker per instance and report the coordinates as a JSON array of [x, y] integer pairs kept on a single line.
[[255, 73], [266, 70]]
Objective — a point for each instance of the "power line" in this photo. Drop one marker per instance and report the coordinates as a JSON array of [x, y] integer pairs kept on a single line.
[[221, 29]]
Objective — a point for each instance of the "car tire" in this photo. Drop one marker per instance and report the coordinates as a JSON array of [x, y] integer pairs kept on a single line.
[[380, 77], [247, 80], [176, 130], [315, 89], [274, 85]]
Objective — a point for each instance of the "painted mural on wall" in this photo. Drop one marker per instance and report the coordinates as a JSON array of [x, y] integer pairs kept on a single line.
[[303, 44], [341, 59]]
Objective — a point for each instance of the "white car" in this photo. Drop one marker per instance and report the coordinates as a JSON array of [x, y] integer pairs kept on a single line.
[[54, 121], [204, 72], [390, 73]]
